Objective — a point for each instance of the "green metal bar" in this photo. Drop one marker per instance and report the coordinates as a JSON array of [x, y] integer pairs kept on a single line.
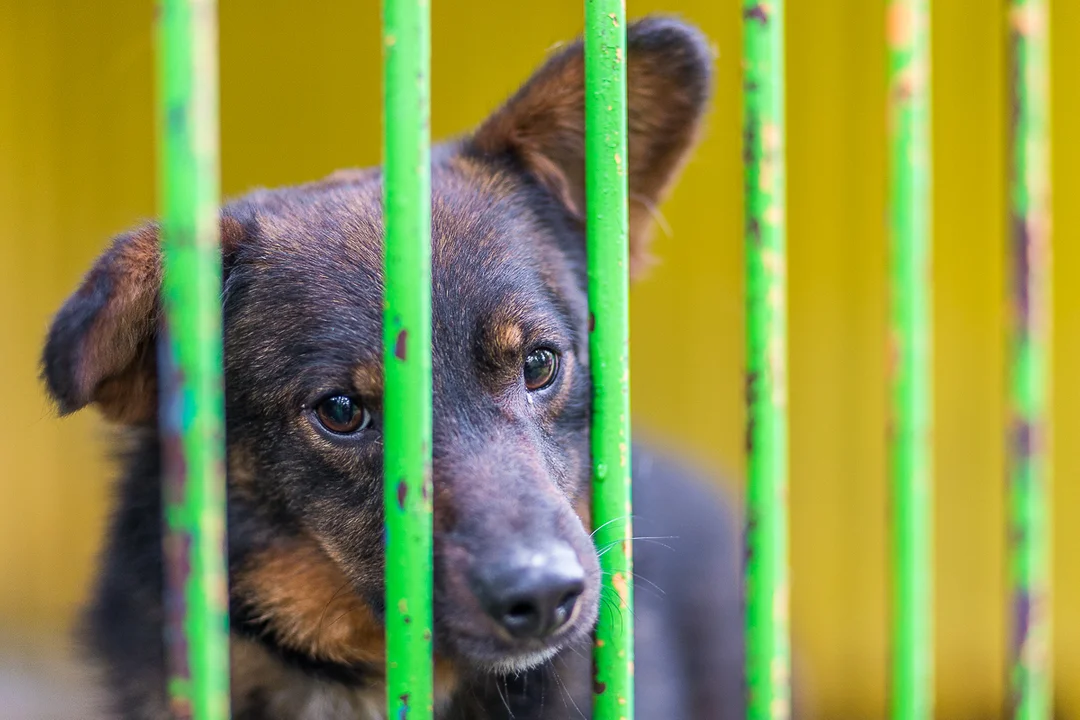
[[607, 236], [768, 652], [192, 402], [1030, 469], [407, 357], [910, 437]]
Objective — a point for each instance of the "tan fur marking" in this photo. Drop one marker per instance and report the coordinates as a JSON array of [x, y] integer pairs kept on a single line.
[[368, 380], [307, 600], [305, 597], [242, 468], [506, 339], [290, 693]]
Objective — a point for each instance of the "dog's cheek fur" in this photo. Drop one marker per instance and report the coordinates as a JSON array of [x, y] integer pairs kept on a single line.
[[307, 603]]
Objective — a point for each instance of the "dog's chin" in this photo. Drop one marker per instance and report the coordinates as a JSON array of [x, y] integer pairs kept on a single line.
[[513, 664], [496, 654]]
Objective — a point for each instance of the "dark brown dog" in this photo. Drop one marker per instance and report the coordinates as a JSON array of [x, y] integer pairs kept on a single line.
[[517, 581]]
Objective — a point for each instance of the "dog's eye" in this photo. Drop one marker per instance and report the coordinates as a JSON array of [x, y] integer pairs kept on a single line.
[[541, 368], [342, 415]]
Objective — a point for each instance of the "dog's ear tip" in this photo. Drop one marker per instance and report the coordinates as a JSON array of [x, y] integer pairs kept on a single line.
[[64, 408], [63, 396], [683, 48]]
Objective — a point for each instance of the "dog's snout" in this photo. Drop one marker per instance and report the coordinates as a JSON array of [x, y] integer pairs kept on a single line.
[[532, 593]]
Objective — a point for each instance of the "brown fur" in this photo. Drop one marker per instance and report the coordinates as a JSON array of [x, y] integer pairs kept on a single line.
[[307, 600], [303, 324]]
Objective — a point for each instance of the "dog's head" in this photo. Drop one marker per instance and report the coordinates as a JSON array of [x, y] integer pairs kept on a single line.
[[516, 575]]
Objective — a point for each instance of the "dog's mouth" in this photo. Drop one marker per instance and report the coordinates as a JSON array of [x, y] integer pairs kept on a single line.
[[517, 613], [487, 646]]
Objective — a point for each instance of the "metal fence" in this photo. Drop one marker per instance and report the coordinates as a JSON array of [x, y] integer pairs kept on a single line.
[[192, 409]]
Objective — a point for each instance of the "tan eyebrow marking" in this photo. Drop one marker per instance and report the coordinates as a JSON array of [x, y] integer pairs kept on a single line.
[[506, 338], [368, 379]]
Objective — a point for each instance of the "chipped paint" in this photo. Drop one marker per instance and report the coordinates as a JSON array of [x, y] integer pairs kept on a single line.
[[909, 357], [1030, 471], [192, 401], [407, 402], [608, 288], [765, 553]]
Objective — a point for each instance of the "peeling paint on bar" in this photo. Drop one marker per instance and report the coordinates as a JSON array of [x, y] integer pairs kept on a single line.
[[768, 653], [910, 422], [407, 358], [1029, 452], [608, 271], [190, 360]]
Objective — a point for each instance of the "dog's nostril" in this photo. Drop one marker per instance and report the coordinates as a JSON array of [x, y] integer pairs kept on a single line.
[[523, 619], [521, 610], [569, 600], [565, 609]]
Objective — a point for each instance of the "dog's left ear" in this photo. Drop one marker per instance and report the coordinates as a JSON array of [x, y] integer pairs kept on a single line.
[[543, 125]]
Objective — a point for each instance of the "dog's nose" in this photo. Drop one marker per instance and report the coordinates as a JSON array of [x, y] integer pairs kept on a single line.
[[532, 593]]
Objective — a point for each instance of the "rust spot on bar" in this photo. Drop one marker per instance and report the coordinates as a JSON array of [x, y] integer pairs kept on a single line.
[[750, 135], [753, 229], [598, 687], [1028, 20], [900, 25], [618, 581], [1021, 619], [400, 348], [749, 533], [759, 13], [1025, 439], [904, 88], [402, 493]]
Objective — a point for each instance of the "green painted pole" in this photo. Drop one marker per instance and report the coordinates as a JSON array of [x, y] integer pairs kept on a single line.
[[607, 236], [910, 423], [768, 653], [407, 357], [192, 403], [1030, 470]]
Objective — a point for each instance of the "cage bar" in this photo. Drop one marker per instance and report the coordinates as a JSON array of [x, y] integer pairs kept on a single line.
[[607, 237], [1030, 464], [910, 440], [407, 356], [190, 353], [768, 654]]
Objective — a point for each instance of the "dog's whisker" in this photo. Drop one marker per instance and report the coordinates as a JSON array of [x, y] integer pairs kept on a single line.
[[502, 696], [566, 693], [650, 539], [623, 518], [649, 586]]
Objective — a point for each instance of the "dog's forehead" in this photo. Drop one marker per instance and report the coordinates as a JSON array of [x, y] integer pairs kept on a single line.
[[313, 257], [479, 216]]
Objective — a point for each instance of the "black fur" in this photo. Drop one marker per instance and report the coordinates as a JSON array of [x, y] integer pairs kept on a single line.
[[302, 302]]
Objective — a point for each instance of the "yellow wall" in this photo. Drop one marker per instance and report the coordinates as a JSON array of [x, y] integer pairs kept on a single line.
[[300, 94]]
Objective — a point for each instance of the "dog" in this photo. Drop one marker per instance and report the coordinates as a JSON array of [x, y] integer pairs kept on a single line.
[[302, 312]]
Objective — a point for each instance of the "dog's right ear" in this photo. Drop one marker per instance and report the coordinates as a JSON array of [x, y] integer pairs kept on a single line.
[[101, 347]]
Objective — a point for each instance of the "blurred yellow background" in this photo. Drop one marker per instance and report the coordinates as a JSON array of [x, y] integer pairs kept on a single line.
[[300, 97]]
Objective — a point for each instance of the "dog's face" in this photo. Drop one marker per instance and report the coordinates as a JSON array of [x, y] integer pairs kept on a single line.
[[516, 574]]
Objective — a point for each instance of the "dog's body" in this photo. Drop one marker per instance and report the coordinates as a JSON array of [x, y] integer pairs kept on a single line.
[[517, 581]]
